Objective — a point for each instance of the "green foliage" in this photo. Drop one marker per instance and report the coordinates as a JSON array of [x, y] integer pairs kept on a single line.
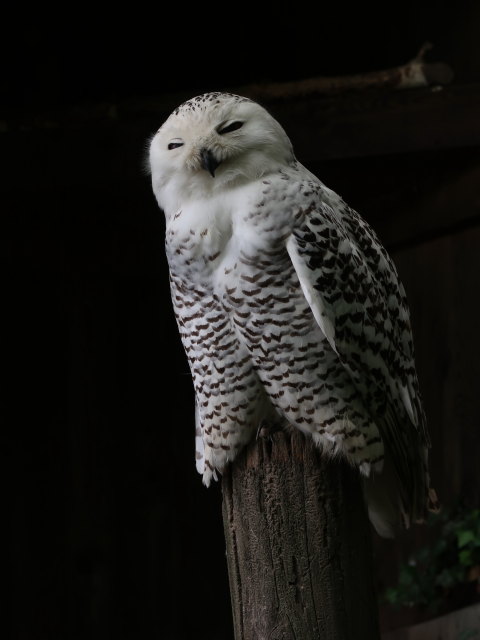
[[435, 570]]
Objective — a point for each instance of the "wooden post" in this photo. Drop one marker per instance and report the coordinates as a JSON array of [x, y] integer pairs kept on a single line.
[[298, 545]]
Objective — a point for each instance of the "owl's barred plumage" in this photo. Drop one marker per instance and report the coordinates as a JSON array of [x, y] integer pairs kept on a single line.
[[290, 310]]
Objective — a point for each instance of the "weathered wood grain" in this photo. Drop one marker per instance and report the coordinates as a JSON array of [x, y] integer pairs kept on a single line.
[[298, 545]]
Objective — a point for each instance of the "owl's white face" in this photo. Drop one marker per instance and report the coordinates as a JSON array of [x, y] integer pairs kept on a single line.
[[211, 143]]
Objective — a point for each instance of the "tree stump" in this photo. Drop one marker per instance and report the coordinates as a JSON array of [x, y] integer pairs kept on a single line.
[[298, 545]]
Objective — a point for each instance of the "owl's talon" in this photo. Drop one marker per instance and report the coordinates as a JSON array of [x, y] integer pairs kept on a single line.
[[267, 429]]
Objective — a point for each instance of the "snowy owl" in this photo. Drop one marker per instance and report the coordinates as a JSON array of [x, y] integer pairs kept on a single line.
[[289, 308]]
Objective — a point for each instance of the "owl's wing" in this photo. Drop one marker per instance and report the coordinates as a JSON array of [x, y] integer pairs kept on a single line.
[[353, 289]]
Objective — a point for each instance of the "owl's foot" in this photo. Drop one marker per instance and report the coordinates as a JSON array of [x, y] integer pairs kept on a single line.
[[266, 429]]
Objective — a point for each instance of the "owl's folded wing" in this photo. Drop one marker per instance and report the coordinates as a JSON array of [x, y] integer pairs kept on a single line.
[[355, 295]]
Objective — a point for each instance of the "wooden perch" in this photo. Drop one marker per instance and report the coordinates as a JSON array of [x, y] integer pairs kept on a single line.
[[298, 545], [416, 73]]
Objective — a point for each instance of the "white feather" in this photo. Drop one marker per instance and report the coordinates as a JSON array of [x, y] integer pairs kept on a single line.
[[312, 296]]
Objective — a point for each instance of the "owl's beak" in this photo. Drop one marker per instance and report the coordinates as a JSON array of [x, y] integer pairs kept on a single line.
[[208, 161]]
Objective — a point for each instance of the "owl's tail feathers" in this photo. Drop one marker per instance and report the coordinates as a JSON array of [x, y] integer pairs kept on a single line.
[[382, 498], [395, 502]]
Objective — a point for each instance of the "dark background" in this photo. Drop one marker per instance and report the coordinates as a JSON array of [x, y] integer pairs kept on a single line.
[[54, 59], [112, 533]]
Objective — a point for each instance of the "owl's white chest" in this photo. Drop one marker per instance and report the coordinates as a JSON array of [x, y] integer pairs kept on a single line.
[[208, 241]]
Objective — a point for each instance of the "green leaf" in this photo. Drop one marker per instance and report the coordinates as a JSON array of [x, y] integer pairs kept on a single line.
[[464, 537], [465, 557], [443, 563]]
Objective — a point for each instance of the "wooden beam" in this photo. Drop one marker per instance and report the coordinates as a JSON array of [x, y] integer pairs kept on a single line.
[[463, 623], [415, 73], [378, 123]]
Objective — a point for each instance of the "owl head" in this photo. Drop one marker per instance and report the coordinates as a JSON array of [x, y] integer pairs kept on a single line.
[[211, 143]]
